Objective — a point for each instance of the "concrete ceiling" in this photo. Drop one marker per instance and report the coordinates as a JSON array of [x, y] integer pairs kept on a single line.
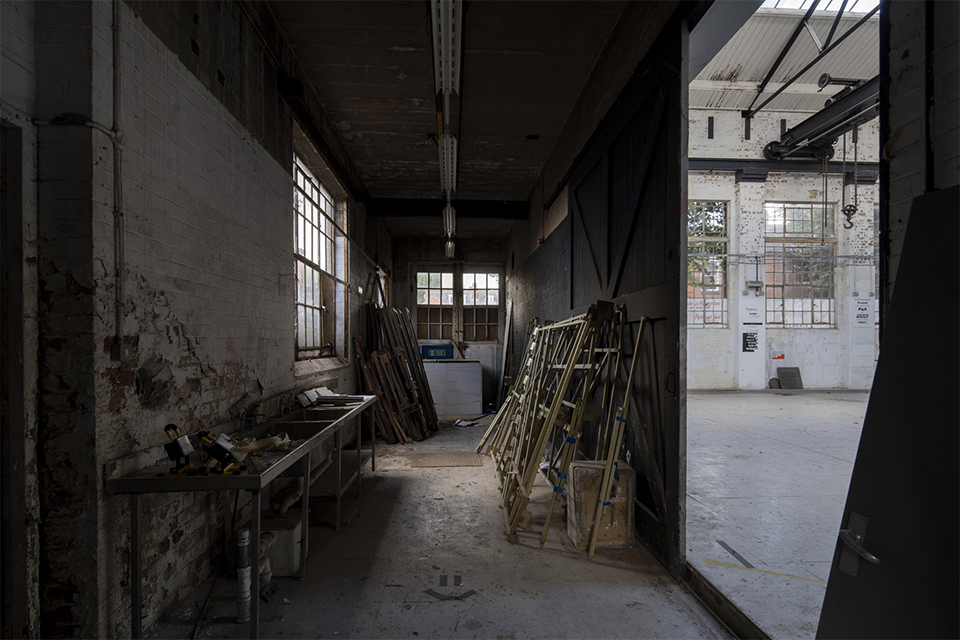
[[523, 68]]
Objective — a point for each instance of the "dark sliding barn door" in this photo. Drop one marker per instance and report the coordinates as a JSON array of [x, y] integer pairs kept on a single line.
[[628, 215]]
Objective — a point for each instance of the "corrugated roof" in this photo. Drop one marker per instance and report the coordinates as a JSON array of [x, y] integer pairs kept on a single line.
[[749, 55]]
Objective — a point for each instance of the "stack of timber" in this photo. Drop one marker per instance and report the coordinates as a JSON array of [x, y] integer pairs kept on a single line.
[[569, 376], [394, 372]]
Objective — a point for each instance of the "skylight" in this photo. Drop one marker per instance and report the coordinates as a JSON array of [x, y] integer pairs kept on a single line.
[[853, 6]]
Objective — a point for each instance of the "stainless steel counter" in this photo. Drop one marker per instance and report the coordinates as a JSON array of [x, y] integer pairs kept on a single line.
[[317, 433]]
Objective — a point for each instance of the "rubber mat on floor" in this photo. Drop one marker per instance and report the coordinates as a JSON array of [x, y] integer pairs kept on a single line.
[[449, 459]]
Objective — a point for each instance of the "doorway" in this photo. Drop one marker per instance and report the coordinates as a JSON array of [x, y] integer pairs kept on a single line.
[[781, 302]]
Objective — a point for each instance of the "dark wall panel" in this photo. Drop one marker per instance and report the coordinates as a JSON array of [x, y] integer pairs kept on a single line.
[[623, 241], [589, 242], [627, 219]]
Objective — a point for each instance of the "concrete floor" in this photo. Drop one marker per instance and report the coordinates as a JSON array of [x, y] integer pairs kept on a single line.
[[767, 476], [415, 526]]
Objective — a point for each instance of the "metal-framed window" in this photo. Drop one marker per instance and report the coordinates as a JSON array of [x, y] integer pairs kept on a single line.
[[320, 258], [435, 305], [800, 264], [458, 303], [707, 247], [481, 306]]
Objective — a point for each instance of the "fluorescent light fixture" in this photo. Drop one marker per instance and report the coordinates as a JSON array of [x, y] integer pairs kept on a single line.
[[450, 249], [448, 163], [450, 220], [447, 34]]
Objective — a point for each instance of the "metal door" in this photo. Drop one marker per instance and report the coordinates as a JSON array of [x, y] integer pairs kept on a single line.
[[895, 569]]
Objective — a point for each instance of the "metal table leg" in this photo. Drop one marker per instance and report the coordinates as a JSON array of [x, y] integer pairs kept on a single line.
[[337, 470], [304, 517], [255, 564], [359, 452], [136, 593]]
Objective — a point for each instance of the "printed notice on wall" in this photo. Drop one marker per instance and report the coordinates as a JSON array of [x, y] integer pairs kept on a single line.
[[863, 310], [749, 341], [752, 314]]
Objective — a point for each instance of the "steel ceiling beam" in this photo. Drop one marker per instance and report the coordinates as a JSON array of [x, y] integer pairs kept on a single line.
[[749, 113], [836, 23], [783, 54]]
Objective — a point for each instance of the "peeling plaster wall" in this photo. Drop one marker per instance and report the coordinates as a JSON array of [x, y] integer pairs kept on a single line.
[[206, 239], [208, 304], [17, 106], [208, 297], [838, 357]]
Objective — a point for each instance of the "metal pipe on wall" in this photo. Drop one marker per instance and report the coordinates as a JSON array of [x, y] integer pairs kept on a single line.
[[118, 235]]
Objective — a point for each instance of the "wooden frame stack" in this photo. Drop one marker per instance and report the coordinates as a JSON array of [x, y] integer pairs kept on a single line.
[[539, 426], [395, 374]]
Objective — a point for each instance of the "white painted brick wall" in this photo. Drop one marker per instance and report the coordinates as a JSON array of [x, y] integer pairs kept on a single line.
[[729, 142], [209, 292], [822, 354]]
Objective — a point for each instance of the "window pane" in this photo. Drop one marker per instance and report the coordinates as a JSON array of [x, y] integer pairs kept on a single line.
[[447, 281], [493, 297], [316, 328], [493, 280], [309, 329], [423, 279], [469, 298], [421, 296], [447, 296], [468, 281], [481, 281], [482, 297], [301, 326], [435, 280]]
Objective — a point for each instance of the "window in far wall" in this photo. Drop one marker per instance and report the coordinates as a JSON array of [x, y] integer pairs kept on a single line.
[[319, 250], [481, 306], [458, 302], [707, 264], [799, 263], [434, 305]]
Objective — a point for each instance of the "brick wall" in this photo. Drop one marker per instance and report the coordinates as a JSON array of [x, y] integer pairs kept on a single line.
[[906, 135], [207, 241], [208, 299], [827, 357]]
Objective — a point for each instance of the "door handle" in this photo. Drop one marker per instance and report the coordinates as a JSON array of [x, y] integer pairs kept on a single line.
[[853, 539]]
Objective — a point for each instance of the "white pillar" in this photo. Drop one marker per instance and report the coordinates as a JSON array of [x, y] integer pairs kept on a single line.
[[859, 320], [750, 337]]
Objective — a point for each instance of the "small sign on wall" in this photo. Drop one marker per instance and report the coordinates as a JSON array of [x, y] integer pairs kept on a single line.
[[862, 310], [752, 314], [750, 341]]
